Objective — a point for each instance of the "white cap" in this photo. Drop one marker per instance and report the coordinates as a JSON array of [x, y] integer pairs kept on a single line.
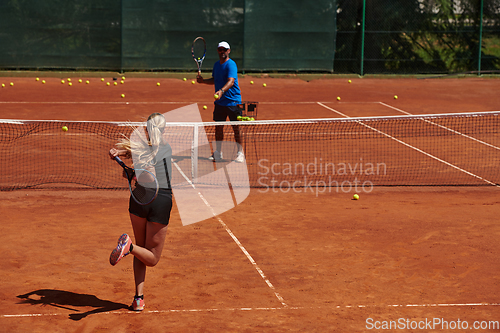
[[224, 45]]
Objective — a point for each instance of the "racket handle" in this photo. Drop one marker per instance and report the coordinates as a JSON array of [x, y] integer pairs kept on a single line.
[[117, 159]]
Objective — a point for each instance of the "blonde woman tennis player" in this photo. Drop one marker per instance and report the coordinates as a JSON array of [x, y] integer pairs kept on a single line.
[[149, 222]]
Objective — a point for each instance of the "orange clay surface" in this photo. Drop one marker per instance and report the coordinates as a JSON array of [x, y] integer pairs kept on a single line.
[[278, 262]]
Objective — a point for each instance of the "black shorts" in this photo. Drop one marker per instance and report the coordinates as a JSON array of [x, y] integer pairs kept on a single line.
[[157, 211], [222, 112]]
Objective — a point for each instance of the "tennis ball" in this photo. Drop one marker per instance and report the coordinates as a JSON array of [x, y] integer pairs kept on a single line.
[[62, 81], [193, 82], [355, 197], [69, 80], [107, 83], [123, 95], [115, 83], [37, 79], [395, 96], [43, 81], [204, 107], [349, 81], [252, 119], [65, 129], [264, 85], [123, 77], [3, 85], [122, 82], [12, 84], [216, 96], [70, 84], [87, 82], [251, 82], [239, 118], [80, 81], [158, 83], [184, 79], [102, 79], [338, 98]]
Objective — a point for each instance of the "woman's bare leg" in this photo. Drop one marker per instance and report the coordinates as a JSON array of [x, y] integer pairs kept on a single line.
[[149, 241]]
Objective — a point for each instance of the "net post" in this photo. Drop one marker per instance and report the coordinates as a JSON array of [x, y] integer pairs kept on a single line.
[[194, 154]]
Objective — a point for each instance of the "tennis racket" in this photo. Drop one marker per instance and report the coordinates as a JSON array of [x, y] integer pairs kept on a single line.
[[199, 50], [142, 183]]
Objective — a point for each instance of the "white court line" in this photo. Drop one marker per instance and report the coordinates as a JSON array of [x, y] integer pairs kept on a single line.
[[159, 102], [443, 127], [236, 240], [443, 305], [414, 148]]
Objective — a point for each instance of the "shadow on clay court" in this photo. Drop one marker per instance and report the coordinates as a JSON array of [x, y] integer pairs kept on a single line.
[[66, 300]]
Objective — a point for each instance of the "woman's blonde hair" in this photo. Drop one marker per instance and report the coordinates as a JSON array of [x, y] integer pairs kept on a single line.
[[142, 146]]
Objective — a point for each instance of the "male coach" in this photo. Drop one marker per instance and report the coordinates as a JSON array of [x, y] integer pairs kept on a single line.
[[225, 79]]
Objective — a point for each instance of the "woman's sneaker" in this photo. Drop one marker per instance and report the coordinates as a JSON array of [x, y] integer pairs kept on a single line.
[[138, 303], [121, 250]]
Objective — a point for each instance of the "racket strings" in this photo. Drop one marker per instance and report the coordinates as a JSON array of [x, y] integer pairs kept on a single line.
[[199, 50], [145, 188]]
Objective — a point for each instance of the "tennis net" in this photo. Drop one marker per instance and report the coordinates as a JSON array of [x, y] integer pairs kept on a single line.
[[445, 149]]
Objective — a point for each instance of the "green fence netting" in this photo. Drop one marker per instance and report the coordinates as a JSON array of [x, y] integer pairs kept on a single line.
[[341, 36], [417, 36], [157, 35]]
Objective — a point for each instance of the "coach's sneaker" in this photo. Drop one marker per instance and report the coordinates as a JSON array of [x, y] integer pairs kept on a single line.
[[216, 156], [138, 303], [121, 250], [240, 157]]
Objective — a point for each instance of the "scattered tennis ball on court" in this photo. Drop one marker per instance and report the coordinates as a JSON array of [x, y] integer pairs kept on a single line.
[[355, 197], [62, 81], [395, 96], [65, 129], [264, 85], [43, 81], [251, 82], [122, 82], [69, 80], [157, 83], [349, 81], [252, 119], [3, 85], [12, 84], [80, 81], [123, 95], [37, 79], [102, 79], [216, 96], [204, 107], [87, 82], [338, 98], [123, 77], [184, 79], [70, 84], [193, 82], [115, 83], [239, 118], [107, 83]]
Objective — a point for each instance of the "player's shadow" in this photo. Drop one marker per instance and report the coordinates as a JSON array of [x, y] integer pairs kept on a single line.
[[66, 300]]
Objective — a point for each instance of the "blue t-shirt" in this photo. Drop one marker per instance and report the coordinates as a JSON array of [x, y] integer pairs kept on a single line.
[[221, 73]]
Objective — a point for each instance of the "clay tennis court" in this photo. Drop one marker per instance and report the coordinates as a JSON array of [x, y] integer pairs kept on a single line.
[[278, 262]]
